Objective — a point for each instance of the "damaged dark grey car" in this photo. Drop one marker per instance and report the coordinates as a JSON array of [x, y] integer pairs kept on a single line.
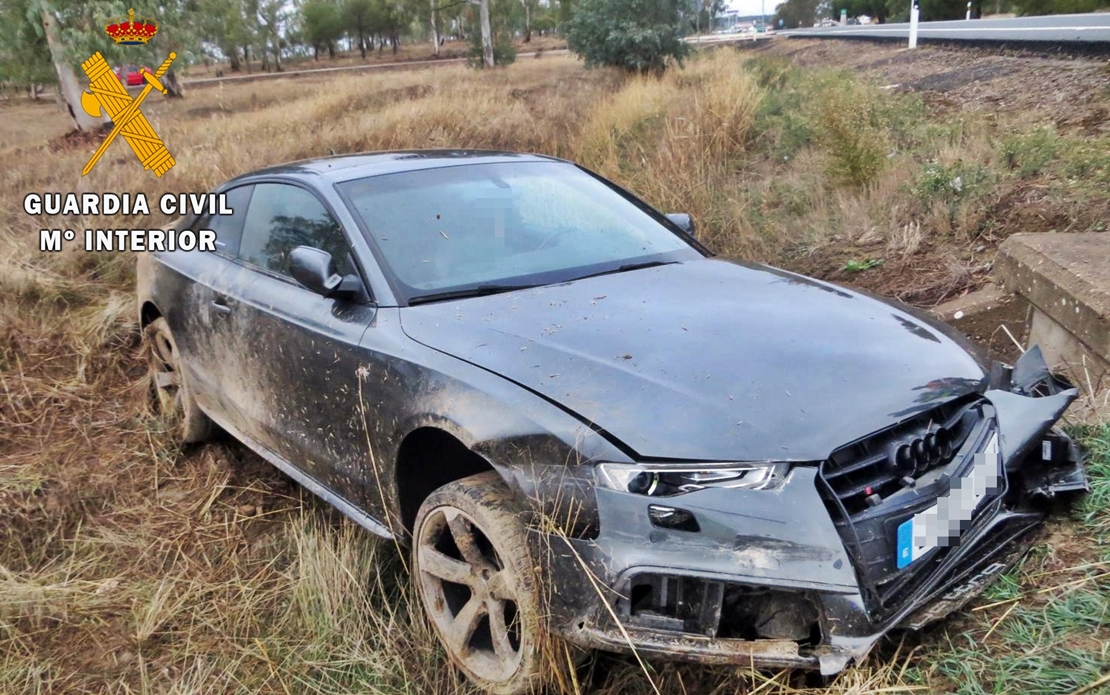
[[586, 426]]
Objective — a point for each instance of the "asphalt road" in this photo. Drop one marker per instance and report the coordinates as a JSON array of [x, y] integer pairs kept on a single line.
[[728, 38], [1073, 28]]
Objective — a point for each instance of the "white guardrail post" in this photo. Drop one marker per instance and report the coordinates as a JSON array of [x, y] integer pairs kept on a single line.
[[914, 12], [968, 10]]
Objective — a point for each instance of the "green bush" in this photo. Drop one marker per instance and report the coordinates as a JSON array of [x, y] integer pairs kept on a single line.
[[852, 130], [1089, 161], [1029, 153], [952, 183], [857, 124], [772, 72], [783, 120], [641, 36]]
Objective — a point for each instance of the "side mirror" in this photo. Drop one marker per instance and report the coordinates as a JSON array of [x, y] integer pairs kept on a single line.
[[315, 271], [684, 222]]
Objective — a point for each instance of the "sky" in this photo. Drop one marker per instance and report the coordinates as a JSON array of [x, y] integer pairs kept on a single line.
[[752, 7]]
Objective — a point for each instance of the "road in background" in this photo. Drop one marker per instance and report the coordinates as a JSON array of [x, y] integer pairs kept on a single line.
[[1071, 28], [730, 37]]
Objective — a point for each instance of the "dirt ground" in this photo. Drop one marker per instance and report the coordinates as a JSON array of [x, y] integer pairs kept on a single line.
[[1074, 93], [407, 51]]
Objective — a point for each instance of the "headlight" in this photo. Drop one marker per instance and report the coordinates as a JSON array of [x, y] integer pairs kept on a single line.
[[665, 480]]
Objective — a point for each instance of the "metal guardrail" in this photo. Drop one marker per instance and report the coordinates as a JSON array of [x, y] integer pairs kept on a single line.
[[1066, 29]]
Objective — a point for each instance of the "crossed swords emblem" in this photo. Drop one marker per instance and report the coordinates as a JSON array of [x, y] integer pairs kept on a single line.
[[106, 92]]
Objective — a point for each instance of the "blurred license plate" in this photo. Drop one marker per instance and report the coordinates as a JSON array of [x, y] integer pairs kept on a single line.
[[942, 523]]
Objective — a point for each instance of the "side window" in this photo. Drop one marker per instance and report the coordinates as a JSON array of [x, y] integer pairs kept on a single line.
[[281, 218], [229, 228]]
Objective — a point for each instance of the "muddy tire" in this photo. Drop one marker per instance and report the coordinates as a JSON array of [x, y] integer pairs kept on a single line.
[[169, 390], [477, 581]]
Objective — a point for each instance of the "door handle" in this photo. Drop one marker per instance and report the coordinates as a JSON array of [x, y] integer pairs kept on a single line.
[[220, 308]]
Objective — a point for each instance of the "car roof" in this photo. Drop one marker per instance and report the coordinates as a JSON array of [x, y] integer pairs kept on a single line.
[[347, 167]]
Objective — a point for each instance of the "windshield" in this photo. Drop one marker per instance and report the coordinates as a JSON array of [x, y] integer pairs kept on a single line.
[[494, 227]]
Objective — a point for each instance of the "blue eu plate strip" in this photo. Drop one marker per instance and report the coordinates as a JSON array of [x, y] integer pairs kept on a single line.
[[905, 543]]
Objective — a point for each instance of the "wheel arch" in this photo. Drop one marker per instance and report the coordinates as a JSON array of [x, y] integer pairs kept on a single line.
[[148, 312], [431, 455], [527, 453]]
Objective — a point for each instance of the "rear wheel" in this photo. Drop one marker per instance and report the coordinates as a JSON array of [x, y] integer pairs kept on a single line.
[[478, 585], [170, 393]]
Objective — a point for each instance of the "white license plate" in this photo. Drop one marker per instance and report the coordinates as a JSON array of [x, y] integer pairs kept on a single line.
[[941, 524]]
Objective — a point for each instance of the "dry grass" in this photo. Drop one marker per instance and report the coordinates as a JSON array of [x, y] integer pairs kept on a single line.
[[129, 566], [679, 142], [408, 51]]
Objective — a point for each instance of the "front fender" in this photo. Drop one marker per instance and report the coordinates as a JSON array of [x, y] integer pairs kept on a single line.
[[525, 437]]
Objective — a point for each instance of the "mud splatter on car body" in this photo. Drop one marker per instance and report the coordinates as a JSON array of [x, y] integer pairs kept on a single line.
[[632, 411]]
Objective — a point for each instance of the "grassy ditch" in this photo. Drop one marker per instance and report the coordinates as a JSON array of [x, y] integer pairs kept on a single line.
[[129, 566]]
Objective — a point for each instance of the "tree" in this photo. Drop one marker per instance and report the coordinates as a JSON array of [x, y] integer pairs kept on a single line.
[[67, 76], [492, 43], [641, 36], [529, 6], [24, 55], [566, 12], [933, 10], [358, 16], [545, 20], [878, 10], [714, 9], [271, 15], [487, 33], [1042, 7], [797, 13], [50, 38], [389, 19], [322, 25], [223, 24], [434, 23], [702, 14]]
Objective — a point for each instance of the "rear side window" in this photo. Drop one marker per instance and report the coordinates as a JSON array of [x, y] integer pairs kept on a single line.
[[281, 218], [229, 228]]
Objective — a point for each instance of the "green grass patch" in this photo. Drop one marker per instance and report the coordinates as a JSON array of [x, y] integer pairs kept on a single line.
[[1031, 152], [1052, 636]]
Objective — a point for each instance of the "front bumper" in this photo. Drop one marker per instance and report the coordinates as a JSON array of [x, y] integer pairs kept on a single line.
[[769, 581]]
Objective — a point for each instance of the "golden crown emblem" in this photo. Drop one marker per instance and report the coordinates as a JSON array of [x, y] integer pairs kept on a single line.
[[131, 32]]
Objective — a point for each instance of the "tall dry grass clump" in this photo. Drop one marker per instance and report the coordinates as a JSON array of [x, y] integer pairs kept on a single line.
[[679, 141]]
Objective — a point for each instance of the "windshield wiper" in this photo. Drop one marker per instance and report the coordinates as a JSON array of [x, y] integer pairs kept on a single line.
[[479, 291], [627, 267]]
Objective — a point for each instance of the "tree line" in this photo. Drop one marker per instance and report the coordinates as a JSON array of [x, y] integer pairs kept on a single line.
[[43, 42], [249, 35]]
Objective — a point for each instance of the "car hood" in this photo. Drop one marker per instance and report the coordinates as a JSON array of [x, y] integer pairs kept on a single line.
[[709, 360]]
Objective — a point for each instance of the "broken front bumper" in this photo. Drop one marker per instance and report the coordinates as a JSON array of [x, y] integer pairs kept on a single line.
[[770, 579]]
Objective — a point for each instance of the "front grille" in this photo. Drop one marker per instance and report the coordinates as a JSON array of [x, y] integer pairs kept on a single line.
[[870, 487], [876, 465]]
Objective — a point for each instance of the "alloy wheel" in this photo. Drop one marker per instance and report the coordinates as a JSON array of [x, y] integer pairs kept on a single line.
[[469, 594], [162, 361]]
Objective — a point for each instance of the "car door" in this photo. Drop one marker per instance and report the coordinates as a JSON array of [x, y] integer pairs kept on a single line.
[[190, 306], [292, 355]]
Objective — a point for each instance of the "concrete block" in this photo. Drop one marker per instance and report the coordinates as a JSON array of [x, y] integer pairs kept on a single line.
[[1066, 277]]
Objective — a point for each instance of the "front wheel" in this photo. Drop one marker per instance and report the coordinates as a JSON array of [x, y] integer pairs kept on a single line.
[[478, 583], [172, 400]]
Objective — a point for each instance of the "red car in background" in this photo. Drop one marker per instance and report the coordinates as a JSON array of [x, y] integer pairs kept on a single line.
[[132, 75]]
